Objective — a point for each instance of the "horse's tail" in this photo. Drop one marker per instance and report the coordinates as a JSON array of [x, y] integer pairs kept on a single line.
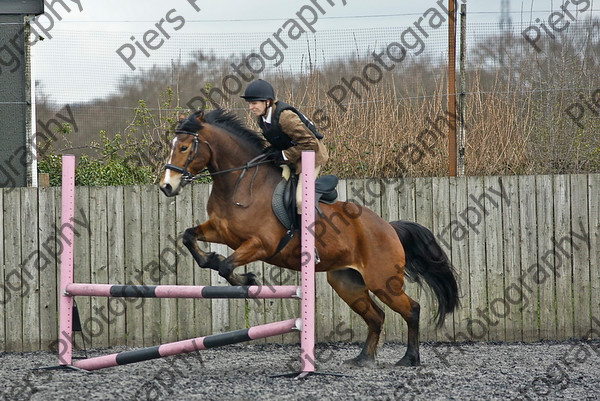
[[426, 259]]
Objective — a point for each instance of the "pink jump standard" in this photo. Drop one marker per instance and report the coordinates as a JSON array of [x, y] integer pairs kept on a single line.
[[307, 240], [306, 291], [65, 334]]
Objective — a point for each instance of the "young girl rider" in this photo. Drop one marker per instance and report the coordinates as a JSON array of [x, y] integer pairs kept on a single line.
[[288, 131]]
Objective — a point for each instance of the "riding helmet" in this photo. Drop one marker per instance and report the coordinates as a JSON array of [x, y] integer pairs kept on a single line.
[[259, 90]]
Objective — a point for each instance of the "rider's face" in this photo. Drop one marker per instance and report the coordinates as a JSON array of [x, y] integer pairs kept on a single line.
[[257, 107]]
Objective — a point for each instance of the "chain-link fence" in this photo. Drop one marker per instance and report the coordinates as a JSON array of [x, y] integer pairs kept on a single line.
[[380, 94]]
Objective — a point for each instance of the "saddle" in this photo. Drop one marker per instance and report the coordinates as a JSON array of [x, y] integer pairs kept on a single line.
[[284, 203], [284, 198]]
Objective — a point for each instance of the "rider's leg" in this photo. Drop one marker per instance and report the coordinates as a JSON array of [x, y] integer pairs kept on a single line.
[[299, 191]]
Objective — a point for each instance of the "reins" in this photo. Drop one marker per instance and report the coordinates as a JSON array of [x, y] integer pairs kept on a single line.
[[252, 163], [188, 177]]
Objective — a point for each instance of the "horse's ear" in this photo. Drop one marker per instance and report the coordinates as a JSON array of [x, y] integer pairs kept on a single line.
[[199, 115]]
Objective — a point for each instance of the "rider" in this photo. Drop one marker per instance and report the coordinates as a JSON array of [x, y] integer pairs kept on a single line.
[[282, 125]]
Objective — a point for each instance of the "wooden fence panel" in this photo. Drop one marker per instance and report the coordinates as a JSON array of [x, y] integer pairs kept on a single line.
[[511, 242], [13, 281], [492, 215], [479, 324], [30, 268], [99, 263], [116, 263], [526, 250], [580, 255], [545, 271], [563, 263], [48, 262], [132, 212], [594, 247], [81, 262], [452, 238], [524, 288]]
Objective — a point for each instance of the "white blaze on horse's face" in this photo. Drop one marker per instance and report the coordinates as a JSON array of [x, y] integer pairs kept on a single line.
[[170, 182]]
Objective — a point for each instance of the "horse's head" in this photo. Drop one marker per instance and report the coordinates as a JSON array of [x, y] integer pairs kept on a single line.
[[189, 155]]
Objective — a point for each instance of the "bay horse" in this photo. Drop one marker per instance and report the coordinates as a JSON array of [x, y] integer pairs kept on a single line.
[[360, 252]]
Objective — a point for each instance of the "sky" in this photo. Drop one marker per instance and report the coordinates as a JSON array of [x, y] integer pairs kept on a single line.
[[81, 46], [265, 15]]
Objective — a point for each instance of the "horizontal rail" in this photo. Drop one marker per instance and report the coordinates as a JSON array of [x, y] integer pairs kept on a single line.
[[183, 291], [191, 345]]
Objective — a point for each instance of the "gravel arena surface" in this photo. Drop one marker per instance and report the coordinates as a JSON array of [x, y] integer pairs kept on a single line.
[[469, 371]]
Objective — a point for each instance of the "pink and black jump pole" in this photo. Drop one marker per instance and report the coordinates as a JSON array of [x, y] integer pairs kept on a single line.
[[306, 292]]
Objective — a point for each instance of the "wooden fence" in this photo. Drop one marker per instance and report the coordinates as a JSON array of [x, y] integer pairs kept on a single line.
[[526, 248]]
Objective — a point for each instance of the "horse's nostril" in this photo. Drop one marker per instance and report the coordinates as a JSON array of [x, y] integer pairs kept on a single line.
[[167, 189]]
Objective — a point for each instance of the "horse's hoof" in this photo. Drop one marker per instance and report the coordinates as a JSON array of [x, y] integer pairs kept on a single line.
[[249, 278], [360, 362], [225, 270], [409, 361], [212, 261]]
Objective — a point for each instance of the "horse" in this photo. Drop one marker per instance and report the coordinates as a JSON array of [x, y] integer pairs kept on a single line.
[[360, 252]]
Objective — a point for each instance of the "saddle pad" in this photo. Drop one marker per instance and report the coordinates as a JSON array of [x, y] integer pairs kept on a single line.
[[278, 205], [325, 193]]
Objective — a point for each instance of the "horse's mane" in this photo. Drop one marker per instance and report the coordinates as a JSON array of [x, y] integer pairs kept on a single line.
[[232, 123]]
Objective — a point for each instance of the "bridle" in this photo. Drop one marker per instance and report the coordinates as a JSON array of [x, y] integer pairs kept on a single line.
[[188, 177]]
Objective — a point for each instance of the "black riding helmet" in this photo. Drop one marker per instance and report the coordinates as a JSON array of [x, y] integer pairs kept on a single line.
[[259, 90]]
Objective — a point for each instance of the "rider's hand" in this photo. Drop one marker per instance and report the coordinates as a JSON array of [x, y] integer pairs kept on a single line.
[[273, 154]]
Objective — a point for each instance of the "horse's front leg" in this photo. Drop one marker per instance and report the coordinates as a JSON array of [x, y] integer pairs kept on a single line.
[[248, 252], [191, 236], [205, 232]]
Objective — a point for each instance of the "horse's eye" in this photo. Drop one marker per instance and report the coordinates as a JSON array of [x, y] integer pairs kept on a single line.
[[184, 148]]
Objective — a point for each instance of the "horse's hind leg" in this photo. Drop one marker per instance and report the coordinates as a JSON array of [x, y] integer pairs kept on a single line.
[[350, 286], [410, 311], [391, 293]]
